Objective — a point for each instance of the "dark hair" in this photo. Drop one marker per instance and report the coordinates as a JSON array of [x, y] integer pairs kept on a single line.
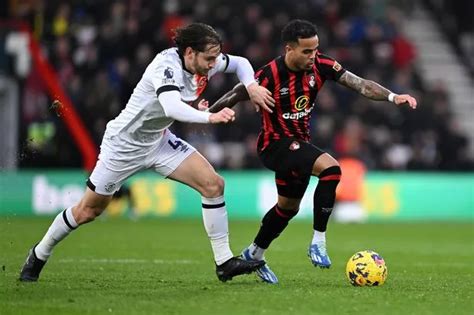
[[197, 36], [297, 29]]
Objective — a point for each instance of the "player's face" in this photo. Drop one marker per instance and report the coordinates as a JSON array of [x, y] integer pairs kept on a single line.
[[201, 62], [301, 55]]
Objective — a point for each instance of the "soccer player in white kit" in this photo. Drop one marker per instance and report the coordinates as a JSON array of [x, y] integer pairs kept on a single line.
[[139, 138]]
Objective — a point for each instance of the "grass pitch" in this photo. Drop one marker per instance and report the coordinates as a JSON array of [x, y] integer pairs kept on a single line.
[[157, 266]]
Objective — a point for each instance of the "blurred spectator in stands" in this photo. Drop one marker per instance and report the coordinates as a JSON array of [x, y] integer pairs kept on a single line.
[[100, 50]]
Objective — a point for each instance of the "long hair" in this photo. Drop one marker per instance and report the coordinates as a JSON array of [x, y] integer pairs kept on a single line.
[[197, 36]]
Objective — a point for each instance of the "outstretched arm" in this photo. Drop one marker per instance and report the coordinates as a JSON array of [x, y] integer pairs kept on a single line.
[[229, 99], [373, 90], [258, 94]]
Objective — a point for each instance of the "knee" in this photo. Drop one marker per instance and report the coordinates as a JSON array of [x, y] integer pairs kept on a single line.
[[332, 172], [212, 187]]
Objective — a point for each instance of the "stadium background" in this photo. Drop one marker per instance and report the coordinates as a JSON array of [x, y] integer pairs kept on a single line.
[[90, 54]]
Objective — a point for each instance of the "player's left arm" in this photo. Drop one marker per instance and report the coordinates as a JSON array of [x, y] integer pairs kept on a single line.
[[373, 90]]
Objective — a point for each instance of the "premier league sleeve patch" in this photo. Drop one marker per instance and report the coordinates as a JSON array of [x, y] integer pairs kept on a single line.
[[168, 76]]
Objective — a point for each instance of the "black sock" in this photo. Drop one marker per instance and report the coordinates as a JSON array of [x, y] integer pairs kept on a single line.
[[324, 197], [273, 223]]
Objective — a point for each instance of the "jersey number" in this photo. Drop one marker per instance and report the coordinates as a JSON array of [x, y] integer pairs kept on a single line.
[[175, 145], [178, 143]]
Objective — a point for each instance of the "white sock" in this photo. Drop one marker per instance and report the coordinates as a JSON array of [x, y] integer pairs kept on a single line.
[[62, 225], [214, 215], [256, 252], [319, 237]]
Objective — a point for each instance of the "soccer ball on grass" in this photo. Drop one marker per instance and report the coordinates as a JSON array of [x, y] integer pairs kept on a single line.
[[366, 268]]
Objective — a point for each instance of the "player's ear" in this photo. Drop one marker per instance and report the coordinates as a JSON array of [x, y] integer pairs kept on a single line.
[[188, 51]]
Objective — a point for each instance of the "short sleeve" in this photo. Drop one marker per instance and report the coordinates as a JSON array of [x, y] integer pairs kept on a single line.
[[329, 68], [166, 76]]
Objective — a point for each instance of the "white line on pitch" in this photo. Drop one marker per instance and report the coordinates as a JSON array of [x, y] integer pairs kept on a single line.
[[124, 261]]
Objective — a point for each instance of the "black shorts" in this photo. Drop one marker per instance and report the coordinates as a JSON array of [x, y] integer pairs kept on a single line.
[[292, 161]]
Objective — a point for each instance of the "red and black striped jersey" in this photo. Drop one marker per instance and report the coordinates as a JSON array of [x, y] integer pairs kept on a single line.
[[294, 94]]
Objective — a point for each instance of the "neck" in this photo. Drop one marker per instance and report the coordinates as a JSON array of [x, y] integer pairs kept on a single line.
[[185, 63]]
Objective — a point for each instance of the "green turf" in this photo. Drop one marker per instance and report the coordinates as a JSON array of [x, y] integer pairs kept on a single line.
[[165, 267]]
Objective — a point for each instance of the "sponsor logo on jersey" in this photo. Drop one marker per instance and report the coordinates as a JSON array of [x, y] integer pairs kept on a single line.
[[336, 66], [284, 91], [297, 115], [301, 102]]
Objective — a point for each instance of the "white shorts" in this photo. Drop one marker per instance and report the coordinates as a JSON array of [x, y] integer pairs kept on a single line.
[[113, 169]]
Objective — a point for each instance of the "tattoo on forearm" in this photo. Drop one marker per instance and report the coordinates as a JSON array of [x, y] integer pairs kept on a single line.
[[368, 88]]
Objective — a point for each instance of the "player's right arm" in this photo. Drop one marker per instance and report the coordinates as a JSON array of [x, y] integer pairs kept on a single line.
[[166, 78]]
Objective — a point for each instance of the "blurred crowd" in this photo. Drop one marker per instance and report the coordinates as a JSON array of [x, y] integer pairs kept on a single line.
[[101, 48]]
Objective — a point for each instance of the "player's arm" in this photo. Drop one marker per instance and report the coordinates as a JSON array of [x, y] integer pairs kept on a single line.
[[178, 110], [258, 94], [373, 90], [237, 94]]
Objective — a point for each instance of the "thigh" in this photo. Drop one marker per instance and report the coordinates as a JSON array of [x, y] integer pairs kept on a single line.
[[291, 157], [195, 171], [106, 181]]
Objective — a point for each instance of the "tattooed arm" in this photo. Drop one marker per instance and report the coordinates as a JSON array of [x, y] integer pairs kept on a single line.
[[373, 90]]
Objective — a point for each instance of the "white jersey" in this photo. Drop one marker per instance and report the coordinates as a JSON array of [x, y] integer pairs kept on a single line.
[[141, 124]]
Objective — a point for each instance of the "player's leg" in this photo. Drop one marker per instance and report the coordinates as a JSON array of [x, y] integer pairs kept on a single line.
[[181, 162], [90, 206], [329, 173], [290, 191], [292, 161], [100, 188]]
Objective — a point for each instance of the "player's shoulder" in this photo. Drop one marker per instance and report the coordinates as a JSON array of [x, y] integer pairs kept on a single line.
[[169, 57], [267, 68], [324, 58], [329, 65]]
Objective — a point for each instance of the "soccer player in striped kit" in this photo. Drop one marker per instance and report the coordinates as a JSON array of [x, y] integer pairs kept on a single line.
[[284, 142]]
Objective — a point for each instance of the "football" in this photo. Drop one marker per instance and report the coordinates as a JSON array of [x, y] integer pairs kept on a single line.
[[366, 268]]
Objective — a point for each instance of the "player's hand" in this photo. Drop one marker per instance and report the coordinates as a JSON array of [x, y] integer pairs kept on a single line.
[[405, 98], [261, 97], [203, 105], [225, 115]]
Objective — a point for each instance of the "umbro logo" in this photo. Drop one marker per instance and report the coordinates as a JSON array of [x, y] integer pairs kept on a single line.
[[284, 91]]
